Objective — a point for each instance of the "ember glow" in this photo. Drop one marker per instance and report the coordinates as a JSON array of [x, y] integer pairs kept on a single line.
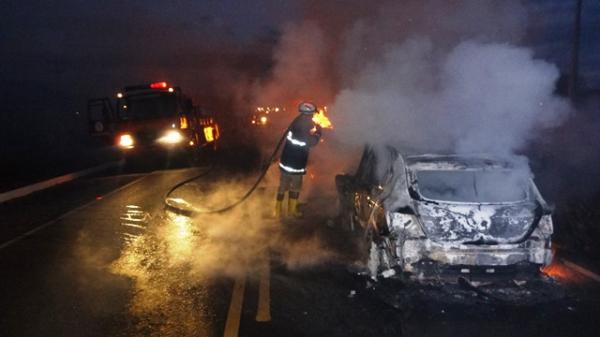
[[558, 271], [321, 119]]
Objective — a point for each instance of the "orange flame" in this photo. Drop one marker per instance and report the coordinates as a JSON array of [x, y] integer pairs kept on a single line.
[[557, 270], [321, 119]]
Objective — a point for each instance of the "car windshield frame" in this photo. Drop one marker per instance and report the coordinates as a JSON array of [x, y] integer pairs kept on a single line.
[[415, 186], [127, 109]]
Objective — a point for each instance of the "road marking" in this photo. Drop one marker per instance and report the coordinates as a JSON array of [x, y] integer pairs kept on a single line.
[[132, 225], [581, 270], [234, 315], [25, 190], [40, 227], [263, 311]]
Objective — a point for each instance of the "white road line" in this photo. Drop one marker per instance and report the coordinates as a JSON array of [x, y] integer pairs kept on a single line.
[[132, 225], [234, 315], [581, 270], [263, 311], [40, 227], [25, 190]]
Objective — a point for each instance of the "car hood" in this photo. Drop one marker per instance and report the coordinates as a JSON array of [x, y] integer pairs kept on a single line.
[[477, 223]]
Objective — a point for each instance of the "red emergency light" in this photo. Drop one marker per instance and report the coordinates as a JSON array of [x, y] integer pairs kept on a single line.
[[158, 85]]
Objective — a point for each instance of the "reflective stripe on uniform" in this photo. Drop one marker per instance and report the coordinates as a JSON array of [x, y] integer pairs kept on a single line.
[[295, 141], [291, 169]]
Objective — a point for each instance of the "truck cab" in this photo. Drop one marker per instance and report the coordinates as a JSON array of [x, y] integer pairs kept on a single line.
[[154, 116]]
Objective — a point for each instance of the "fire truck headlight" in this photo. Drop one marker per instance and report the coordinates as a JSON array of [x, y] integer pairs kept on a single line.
[[126, 141], [171, 137]]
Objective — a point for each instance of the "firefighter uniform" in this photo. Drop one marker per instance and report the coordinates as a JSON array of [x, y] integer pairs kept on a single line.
[[302, 134]]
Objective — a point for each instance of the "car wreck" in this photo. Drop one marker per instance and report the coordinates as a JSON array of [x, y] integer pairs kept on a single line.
[[446, 217]]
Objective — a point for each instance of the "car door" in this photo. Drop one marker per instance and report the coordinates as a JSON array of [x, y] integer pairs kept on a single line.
[[100, 115], [365, 181]]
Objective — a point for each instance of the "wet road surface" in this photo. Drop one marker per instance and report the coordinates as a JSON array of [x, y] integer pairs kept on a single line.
[[117, 264]]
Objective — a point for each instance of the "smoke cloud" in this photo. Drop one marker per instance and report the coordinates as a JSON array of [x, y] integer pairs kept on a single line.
[[300, 65], [478, 97], [425, 76]]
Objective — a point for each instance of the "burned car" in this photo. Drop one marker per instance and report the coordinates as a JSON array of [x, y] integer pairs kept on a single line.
[[443, 217]]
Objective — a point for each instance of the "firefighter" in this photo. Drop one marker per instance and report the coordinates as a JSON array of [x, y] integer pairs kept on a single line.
[[302, 134]]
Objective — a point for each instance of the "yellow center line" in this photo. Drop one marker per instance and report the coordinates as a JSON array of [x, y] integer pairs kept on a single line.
[[263, 311], [234, 315]]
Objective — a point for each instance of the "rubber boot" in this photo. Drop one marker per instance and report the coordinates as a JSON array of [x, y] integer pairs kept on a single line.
[[293, 208], [278, 206]]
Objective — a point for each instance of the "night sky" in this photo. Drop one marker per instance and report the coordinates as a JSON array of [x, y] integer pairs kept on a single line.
[[57, 54]]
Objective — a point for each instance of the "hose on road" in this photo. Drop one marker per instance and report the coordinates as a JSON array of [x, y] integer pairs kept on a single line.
[[191, 212]]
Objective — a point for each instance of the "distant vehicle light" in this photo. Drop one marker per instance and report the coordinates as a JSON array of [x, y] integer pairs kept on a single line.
[[158, 85], [171, 137], [171, 90], [126, 141], [119, 95]]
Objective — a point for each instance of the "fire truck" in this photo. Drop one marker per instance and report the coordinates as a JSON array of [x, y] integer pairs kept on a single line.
[[152, 116]]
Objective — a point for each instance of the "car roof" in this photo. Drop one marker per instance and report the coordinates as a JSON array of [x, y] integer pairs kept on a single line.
[[455, 162]]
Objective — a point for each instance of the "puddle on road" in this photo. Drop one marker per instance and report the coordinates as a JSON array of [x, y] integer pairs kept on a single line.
[[173, 261], [155, 253]]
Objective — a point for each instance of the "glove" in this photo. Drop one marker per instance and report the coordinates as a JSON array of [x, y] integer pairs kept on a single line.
[[318, 131]]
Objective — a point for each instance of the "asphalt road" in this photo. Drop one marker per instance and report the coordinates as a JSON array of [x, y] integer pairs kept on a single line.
[[101, 257]]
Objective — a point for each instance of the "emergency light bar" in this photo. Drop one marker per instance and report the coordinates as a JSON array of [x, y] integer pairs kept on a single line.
[[158, 85], [152, 86]]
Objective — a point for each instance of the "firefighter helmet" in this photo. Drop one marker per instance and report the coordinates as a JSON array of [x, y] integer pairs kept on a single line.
[[307, 108]]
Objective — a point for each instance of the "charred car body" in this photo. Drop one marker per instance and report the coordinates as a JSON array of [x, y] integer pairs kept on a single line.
[[441, 217]]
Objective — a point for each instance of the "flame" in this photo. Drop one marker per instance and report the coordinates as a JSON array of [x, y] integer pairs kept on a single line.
[[557, 270], [321, 119]]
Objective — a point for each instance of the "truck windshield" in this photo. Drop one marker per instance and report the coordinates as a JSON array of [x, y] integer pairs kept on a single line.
[[480, 186], [148, 106]]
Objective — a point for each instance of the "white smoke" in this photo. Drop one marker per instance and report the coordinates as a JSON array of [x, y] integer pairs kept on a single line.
[[477, 97], [423, 75], [299, 67]]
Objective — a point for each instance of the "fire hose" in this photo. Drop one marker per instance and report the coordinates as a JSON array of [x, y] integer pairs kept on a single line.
[[176, 206]]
